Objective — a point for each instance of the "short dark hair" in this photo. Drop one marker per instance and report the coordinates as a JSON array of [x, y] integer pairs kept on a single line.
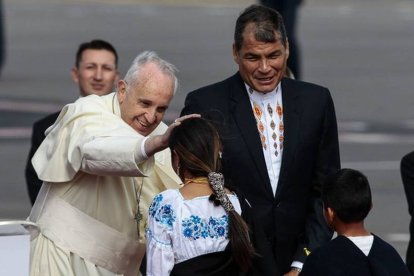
[[348, 193], [268, 23], [96, 44]]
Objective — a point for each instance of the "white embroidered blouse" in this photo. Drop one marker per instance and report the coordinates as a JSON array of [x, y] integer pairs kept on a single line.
[[180, 229]]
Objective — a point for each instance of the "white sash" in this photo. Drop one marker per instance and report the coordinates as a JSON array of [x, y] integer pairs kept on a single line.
[[73, 230]]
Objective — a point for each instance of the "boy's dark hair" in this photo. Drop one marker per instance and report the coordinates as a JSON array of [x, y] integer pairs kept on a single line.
[[96, 44], [348, 193]]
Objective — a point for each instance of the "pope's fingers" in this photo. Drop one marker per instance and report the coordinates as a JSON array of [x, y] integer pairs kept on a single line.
[[185, 117]]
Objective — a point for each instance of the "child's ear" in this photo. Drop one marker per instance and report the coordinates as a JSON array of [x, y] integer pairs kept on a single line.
[[330, 216]]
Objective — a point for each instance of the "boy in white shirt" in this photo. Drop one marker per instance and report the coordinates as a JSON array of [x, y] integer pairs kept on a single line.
[[355, 251]]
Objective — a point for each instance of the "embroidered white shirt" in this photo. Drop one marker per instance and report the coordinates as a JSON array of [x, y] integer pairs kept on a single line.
[[273, 161], [180, 229]]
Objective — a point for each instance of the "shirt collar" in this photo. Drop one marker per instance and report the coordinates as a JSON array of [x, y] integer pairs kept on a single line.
[[115, 104], [254, 95]]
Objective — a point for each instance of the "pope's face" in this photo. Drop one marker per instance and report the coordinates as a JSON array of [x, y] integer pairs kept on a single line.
[[261, 64], [144, 103], [96, 73]]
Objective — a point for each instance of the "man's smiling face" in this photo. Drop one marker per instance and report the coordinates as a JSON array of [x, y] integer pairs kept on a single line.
[[144, 103], [261, 64]]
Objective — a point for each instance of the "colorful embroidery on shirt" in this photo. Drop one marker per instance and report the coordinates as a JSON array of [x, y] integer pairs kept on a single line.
[[162, 213], [258, 116], [195, 227], [155, 205]]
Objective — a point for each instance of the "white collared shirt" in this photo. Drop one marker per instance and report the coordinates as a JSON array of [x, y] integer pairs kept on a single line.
[[273, 161], [364, 243]]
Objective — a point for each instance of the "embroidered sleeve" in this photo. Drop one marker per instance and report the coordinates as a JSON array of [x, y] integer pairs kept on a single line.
[[160, 255]]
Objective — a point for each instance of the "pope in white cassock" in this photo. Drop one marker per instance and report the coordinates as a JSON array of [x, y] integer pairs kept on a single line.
[[101, 163]]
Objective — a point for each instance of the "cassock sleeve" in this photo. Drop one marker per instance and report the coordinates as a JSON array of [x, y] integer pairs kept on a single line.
[[87, 136]]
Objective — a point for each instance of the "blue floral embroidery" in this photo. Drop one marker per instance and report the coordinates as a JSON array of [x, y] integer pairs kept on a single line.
[[194, 227], [155, 205], [162, 213], [218, 226], [165, 215]]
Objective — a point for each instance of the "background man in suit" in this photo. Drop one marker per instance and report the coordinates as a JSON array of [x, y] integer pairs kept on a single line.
[[407, 175], [279, 136], [95, 72]]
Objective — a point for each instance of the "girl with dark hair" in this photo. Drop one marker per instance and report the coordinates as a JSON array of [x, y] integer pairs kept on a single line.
[[197, 229]]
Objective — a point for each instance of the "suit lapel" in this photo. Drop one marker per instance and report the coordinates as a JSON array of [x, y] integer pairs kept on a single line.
[[242, 112], [291, 120]]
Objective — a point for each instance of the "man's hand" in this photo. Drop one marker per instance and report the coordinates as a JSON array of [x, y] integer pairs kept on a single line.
[[292, 273], [159, 142]]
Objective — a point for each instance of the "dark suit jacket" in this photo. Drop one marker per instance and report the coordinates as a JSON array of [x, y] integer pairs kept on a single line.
[[407, 175], [342, 257], [38, 135], [292, 218]]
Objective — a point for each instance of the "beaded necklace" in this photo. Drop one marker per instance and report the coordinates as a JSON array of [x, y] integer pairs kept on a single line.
[[201, 180]]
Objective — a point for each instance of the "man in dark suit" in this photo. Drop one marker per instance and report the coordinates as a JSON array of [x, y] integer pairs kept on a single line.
[[279, 137], [407, 175], [95, 72]]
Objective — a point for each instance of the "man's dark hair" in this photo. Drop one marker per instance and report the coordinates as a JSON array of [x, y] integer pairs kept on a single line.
[[348, 193], [96, 44], [268, 25]]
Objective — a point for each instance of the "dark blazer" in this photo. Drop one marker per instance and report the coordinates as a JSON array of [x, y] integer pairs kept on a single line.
[[341, 257], [407, 175], [292, 218], [38, 135]]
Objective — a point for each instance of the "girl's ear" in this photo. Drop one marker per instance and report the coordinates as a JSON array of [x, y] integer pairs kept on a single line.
[[175, 160]]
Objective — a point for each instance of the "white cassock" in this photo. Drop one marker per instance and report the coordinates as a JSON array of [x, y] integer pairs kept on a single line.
[[94, 174]]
